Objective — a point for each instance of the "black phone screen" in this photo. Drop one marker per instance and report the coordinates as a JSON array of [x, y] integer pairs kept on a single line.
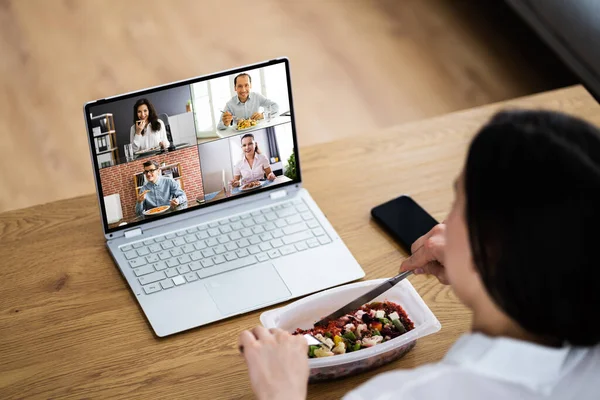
[[404, 220]]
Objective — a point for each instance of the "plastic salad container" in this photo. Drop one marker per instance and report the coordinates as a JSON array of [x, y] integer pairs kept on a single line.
[[305, 312]]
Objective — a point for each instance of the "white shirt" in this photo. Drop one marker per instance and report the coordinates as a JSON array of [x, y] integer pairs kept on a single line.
[[481, 367], [254, 173], [149, 139], [249, 107]]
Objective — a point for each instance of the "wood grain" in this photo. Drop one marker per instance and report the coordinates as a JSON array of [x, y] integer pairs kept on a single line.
[[358, 66], [70, 328]]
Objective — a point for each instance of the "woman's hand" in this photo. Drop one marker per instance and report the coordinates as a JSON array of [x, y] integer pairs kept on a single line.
[[277, 363], [139, 126], [236, 183], [428, 254], [257, 116], [271, 177]]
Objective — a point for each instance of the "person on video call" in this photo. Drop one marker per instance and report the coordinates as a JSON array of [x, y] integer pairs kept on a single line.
[[147, 131], [246, 103], [535, 334], [253, 166], [158, 190]]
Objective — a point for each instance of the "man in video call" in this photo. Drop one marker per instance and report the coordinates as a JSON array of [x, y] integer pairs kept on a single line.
[[246, 103], [158, 190]]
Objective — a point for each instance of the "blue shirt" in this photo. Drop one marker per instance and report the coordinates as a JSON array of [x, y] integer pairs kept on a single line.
[[160, 194], [245, 110]]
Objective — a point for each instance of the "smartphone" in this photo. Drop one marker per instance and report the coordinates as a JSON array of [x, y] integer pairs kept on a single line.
[[404, 220]]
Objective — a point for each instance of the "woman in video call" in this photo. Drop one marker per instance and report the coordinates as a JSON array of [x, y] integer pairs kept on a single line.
[[253, 166], [519, 249], [147, 131]]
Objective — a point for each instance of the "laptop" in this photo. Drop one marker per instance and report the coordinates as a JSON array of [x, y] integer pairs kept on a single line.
[[220, 224]]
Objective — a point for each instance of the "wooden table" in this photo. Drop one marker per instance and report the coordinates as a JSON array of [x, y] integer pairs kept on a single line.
[[70, 327]]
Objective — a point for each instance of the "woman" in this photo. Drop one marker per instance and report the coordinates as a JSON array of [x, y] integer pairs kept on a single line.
[[519, 249], [253, 166], [147, 131]]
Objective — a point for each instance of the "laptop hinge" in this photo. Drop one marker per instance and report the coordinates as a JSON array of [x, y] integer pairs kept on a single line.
[[278, 194], [133, 232]]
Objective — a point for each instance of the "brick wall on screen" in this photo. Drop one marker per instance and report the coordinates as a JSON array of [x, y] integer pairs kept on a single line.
[[119, 179]]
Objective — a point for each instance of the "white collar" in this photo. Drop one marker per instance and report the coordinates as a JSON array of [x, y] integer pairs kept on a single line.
[[534, 366]]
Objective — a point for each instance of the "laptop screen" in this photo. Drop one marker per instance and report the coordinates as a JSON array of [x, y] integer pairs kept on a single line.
[[193, 144]]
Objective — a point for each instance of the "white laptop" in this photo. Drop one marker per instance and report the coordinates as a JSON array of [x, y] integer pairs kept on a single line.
[[202, 225]]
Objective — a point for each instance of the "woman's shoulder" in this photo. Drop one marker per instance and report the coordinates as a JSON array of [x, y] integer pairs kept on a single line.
[[262, 158]]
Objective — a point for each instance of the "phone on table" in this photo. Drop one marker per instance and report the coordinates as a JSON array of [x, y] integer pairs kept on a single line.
[[404, 220]]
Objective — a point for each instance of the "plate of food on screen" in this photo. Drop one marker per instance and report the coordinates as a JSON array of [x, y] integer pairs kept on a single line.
[[243, 124], [251, 185], [156, 210], [147, 151]]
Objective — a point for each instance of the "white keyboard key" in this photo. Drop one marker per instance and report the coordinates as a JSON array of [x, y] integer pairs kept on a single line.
[[207, 262], [248, 223], [289, 230], [172, 262], [125, 248], [202, 235], [318, 232], [307, 215], [269, 226], [277, 233], [164, 255], [230, 256], [258, 229], [145, 270], [151, 278], [167, 244], [220, 249], [213, 225], [235, 236], [208, 253], [271, 216], [312, 242], [179, 241], [297, 237], [213, 232], [167, 284], [131, 254], [191, 276], [155, 248], [159, 266], [237, 226], [246, 232], [137, 245], [265, 246], [254, 240], [180, 233], [190, 238], [176, 252], [179, 280], [184, 259], [143, 251], [294, 219], [260, 220], [243, 243], [195, 265], [301, 208], [313, 223], [262, 257], [286, 212], [274, 253], [138, 262], [234, 219], [224, 221], [242, 253], [289, 249], [277, 243], [266, 237], [152, 288], [255, 213], [225, 229], [171, 272], [324, 239], [254, 249], [212, 242], [301, 246], [182, 269], [223, 239], [231, 246], [280, 223], [171, 236], [200, 245], [218, 259], [192, 230], [188, 248]]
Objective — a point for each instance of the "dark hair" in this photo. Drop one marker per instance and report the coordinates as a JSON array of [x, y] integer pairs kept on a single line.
[[151, 162], [152, 116], [532, 185], [242, 74], [256, 149]]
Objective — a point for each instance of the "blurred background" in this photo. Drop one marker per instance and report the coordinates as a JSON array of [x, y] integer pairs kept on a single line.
[[358, 66]]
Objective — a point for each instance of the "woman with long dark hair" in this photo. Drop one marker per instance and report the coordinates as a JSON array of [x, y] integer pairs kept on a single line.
[[147, 131], [519, 249], [253, 166]]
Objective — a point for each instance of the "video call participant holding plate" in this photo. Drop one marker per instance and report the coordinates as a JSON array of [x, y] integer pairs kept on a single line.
[[158, 190], [147, 131], [253, 166], [246, 103]]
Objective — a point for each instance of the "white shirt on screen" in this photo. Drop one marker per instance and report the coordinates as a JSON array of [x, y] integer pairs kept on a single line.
[[482, 367], [254, 173], [149, 139]]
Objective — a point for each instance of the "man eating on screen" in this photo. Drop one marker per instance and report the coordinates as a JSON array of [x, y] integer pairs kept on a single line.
[[245, 104], [158, 190]]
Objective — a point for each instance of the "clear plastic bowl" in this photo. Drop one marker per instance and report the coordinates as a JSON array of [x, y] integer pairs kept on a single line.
[[305, 312]]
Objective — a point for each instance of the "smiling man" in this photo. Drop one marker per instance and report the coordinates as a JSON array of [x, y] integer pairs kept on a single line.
[[246, 103], [158, 190]]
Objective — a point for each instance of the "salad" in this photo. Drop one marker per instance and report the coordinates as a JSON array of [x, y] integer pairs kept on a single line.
[[372, 324]]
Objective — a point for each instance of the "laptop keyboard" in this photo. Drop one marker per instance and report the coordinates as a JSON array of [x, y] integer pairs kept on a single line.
[[188, 255]]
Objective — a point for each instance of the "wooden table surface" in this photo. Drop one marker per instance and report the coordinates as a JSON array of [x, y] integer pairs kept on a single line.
[[70, 327]]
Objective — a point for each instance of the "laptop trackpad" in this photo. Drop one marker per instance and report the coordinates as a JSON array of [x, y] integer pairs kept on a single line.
[[247, 288]]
